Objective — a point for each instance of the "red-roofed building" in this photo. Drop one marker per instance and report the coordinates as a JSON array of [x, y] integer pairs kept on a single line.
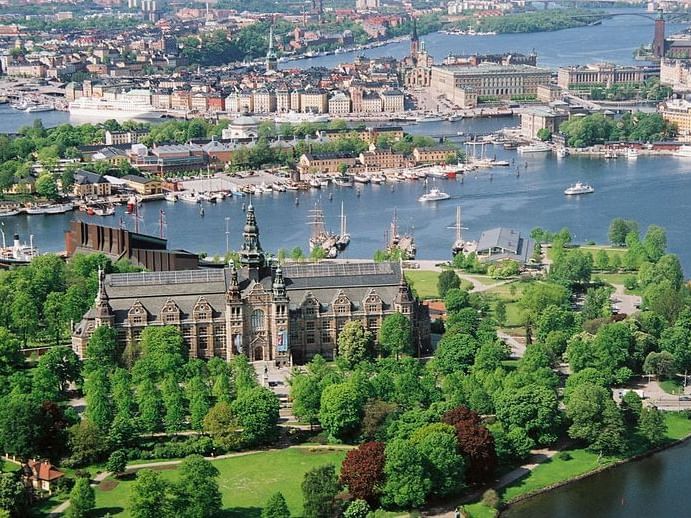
[[41, 475]]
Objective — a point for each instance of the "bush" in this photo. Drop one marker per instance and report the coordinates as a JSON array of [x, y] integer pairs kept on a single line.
[[173, 449], [630, 282], [564, 455], [490, 498]]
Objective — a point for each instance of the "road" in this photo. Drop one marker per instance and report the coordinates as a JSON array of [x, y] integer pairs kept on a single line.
[[627, 304]]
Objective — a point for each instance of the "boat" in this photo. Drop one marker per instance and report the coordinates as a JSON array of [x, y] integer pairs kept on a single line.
[[292, 186], [343, 237], [8, 212], [404, 243], [40, 108], [429, 118], [278, 187], [632, 153], [377, 178], [361, 178], [18, 253], [20, 105], [611, 155], [189, 197], [132, 108], [579, 188], [455, 118], [104, 210], [319, 236], [537, 147], [683, 151], [298, 118], [171, 197], [315, 183], [458, 244], [562, 152], [434, 195], [264, 188], [343, 181], [47, 208]]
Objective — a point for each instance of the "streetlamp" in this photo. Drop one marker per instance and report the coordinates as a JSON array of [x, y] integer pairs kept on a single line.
[[227, 235], [2, 226]]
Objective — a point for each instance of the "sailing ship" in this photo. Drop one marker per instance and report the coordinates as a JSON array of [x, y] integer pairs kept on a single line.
[[405, 243], [459, 245], [343, 237], [320, 237]]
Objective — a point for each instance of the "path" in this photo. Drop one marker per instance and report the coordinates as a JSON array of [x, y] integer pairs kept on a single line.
[[517, 347], [627, 304], [434, 265]]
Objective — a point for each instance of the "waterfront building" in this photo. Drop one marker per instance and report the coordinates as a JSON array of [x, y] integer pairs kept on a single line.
[[116, 138], [678, 112], [425, 155], [604, 75], [339, 104], [548, 93], [378, 159], [266, 311], [488, 80], [264, 101], [282, 99], [371, 103], [88, 184], [393, 101], [314, 100], [676, 73], [324, 162], [142, 185], [537, 118], [500, 244]]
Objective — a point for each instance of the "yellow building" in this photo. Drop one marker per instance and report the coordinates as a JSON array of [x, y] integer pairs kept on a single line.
[[142, 185], [314, 101], [678, 111]]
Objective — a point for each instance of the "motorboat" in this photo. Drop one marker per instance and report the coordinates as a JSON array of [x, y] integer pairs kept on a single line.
[[104, 210], [632, 153], [264, 188], [377, 178], [8, 212], [278, 187], [361, 178], [47, 208], [292, 187], [315, 183], [171, 197], [434, 195], [611, 155], [683, 151], [343, 181], [40, 108], [190, 197], [579, 188], [537, 147], [562, 152]]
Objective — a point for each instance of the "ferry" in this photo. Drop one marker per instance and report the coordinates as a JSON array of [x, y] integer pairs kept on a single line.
[[632, 153], [18, 253], [434, 195], [579, 188], [113, 108], [40, 108], [361, 178], [9, 212], [47, 208], [297, 118], [429, 118], [537, 147], [683, 151]]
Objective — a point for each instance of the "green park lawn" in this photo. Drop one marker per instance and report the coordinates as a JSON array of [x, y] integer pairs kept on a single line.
[[672, 386], [424, 283], [245, 482]]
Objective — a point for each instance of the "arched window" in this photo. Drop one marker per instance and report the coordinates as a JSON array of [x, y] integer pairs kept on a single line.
[[257, 320]]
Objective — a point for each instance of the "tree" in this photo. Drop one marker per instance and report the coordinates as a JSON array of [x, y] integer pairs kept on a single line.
[[197, 493], [199, 398], [538, 296], [174, 404], [149, 497], [601, 261], [12, 494], [455, 353], [362, 471], [87, 443], [406, 483], [447, 280], [64, 364], [220, 424], [99, 407], [652, 426], [340, 409], [456, 299], [544, 134], [574, 267], [117, 462], [82, 499], [354, 343], [660, 364], [631, 408], [24, 314], [597, 303], [306, 392], [357, 509], [257, 412], [54, 315], [475, 442], [11, 357], [46, 186], [595, 418], [395, 335], [618, 230], [439, 449], [533, 408], [655, 242], [276, 507], [150, 407], [102, 350], [163, 352], [500, 312], [319, 489]]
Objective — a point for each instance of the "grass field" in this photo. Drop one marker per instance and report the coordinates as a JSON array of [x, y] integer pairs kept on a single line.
[[245, 482], [424, 283], [672, 386], [582, 461], [510, 293]]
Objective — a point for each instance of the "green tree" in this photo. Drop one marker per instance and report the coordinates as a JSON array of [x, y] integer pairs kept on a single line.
[[199, 397], [438, 447], [447, 280], [652, 426], [631, 408], [574, 267], [340, 409], [163, 352], [11, 357], [53, 315], [87, 443], [197, 493], [533, 408], [455, 353], [12, 495], [24, 314], [597, 302], [117, 462], [544, 134], [150, 407], [305, 391], [82, 499], [655, 242], [358, 509], [395, 335], [618, 230], [257, 411], [102, 350], [595, 418], [406, 483], [500, 312], [174, 404], [221, 425], [276, 507], [319, 490], [354, 343], [150, 496], [47, 187], [97, 391]]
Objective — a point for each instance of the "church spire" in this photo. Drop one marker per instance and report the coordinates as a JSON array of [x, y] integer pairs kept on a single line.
[[279, 285], [271, 60], [414, 42], [251, 253], [104, 312]]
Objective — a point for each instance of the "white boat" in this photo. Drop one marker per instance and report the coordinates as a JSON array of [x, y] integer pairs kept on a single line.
[[132, 108], [40, 108], [537, 147], [434, 195], [632, 153], [171, 197], [59, 208], [292, 187], [361, 178], [107, 210], [9, 212], [343, 181], [611, 155], [684, 151], [278, 187], [561, 152], [377, 178], [190, 197], [430, 118], [21, 105], [579, 188], [315, 183], [297, 118], [18, 252]]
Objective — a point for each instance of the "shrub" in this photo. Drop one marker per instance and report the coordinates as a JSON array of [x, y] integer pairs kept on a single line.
[[490, 498], [564, 455]]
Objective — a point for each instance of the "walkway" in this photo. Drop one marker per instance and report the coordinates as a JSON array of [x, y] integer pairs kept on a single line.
[[433, 265]]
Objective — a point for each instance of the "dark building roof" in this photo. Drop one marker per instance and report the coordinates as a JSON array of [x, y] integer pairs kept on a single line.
[[505, 243], [84, 177]]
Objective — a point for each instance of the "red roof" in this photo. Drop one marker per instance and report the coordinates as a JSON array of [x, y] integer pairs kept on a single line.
[[44, 470]]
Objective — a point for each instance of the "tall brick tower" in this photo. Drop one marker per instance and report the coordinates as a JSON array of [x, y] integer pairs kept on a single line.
[[659, 46]]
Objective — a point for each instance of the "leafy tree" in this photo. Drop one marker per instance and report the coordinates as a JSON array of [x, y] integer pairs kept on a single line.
[[46, 186], [82, 499], [354, 343], [597, 302], [97, 391], [305, 391], [588, 375], [220, 424], [513, 446], [54, 315], [538, 296], [163, 352], [12, 494], [618, 230], [456, 299], [664, 299], [257, 411], [660, 364], [174, 404], [11, 357], [544, 134], [652, 426], [631, 407], [150, 407], [340, 410], [149, 497], [362, 471], [500, 312], [455, 353], [570, 268], [357, 509], [197, 494], [439, 449], [24, 314], [595, 418], [123, 395], [102, 350], [395, 335], [117, 462], [276, 507], [655, 242], [123, 431], [475, 443], [319, 489], [533, 408], [87, 443], [406, 483], [601, 260], [447, 280], [64, 364]]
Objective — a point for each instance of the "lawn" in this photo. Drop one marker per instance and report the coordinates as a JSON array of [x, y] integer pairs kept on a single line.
[[424, 283], [672, 386], [245, 482]]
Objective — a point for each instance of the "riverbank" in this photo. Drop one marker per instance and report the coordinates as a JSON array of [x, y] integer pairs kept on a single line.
[[561, 470]]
